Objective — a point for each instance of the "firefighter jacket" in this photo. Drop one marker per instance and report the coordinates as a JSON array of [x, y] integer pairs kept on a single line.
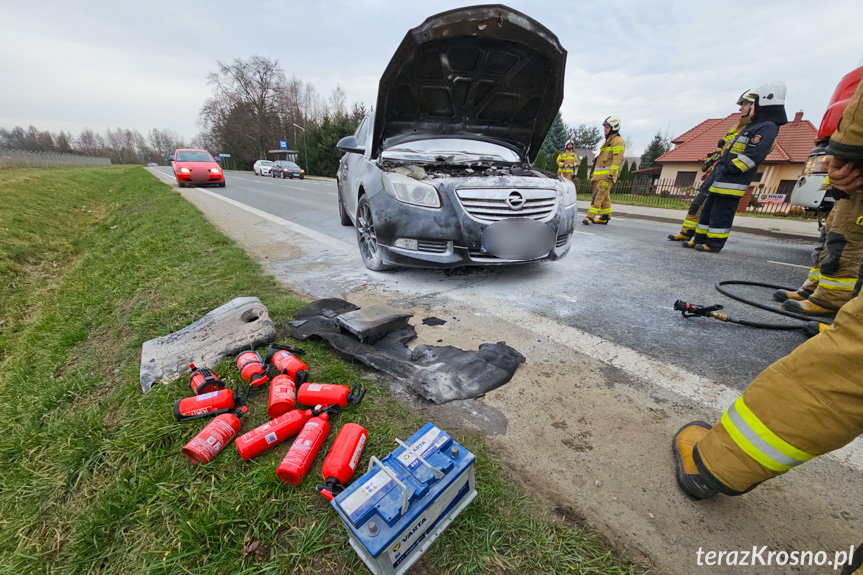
[[739, 163], [710, 161], [566, 157], [609, 160]]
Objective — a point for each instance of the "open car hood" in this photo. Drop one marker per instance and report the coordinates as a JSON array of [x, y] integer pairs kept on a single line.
[[483, 72]]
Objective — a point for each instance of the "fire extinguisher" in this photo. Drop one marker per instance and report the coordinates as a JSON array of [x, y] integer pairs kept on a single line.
[[209, 404], [326, 394], [273, 432], [252, 368], [203, 380], [205, 446], [283, 358], [282, 393], [342, 460], [302, 453]]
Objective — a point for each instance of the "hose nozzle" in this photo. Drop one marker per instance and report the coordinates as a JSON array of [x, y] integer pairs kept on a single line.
[[692, 310]]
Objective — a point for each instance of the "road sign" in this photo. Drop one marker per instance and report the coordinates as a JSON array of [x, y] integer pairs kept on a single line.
[[224, 155], [283, 145]]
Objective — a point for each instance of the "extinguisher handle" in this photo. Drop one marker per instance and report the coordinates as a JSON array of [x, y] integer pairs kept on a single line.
[[357, 393]]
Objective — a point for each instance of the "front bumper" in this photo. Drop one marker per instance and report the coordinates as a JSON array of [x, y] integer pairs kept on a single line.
[[447, 236]]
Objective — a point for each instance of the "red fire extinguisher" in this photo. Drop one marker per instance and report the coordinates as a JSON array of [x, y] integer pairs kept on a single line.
[[252, 368], [205, 446], [326, 394], [342, 460], [282, 393], [203, 380], [283, 358], [273, 432], [209, 404], [302, 453]]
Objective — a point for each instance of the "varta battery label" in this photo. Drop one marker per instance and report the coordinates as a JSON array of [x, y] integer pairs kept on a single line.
[[206, 396], [423, 447], [366, 496]]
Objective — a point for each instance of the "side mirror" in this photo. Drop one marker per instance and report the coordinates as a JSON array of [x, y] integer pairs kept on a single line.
[[350, 145]]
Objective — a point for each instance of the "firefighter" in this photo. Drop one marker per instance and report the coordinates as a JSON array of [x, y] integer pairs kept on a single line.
[[567, 161], [804, 405], [836, 269], [691, 220], [605, 172], [737, 168]]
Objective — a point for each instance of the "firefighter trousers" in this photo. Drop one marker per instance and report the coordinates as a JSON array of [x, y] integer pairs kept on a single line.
[[601, 203], [690, 222], [714, 224], [806, 404], [838, 255]]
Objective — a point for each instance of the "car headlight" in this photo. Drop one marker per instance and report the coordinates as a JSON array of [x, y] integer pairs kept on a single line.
[[410, 191], [184, 170], [215, 170], [569, 193]]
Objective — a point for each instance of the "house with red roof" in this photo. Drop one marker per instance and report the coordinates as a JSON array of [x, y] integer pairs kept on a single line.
[[778, 173]]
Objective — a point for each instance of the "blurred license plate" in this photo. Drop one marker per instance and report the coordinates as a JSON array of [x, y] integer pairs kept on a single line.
[[518, 239]]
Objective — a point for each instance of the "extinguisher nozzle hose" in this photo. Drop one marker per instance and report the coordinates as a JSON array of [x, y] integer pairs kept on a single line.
[[357, 393], [302, 377]]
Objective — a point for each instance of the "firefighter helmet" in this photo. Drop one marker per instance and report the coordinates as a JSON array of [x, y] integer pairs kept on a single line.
[[612, 122], [746, 96], [568, 144], [770, 94]]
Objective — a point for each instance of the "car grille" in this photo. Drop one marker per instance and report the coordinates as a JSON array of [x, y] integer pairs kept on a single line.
[[561, 240], [489, 205], [481, 256], [433, 246]]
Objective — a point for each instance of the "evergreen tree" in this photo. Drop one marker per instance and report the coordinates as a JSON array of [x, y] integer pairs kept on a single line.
[[556, 137], [581, 174], [552, 163], [625, 174], [584, 137], [540, 163], [658, 145]]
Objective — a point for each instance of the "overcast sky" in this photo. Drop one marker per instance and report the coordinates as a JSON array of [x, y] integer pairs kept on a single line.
[[659, 65]]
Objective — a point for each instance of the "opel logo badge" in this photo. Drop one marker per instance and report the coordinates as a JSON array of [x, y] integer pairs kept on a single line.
[[515, 201]]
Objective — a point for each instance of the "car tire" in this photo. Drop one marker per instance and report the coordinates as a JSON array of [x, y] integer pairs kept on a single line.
[[221, 184], [181, 185], [344, 219], [367, 238], [302, 177]]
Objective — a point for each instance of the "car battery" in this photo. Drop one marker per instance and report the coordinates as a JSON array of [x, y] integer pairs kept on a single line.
[[397, 509]]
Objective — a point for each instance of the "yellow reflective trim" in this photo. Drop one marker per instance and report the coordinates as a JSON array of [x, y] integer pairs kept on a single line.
[[748, 448], [689, 224], [727, 191], [709, 235], [839, 284], [617, 149], [617, 168], [740, 165], [771, 438]]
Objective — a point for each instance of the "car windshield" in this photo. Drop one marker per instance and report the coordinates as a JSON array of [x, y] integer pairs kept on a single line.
[[292, 165], [194, 157], [266, 163], [451, 150]]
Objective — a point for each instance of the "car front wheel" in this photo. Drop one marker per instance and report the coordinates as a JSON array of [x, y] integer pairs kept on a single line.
[[367, 239]]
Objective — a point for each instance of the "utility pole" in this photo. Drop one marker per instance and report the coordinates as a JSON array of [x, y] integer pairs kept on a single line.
[[305, 148]]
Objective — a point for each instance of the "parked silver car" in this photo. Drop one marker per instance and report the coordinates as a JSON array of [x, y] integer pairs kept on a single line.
[[262, 167], [440, 176]]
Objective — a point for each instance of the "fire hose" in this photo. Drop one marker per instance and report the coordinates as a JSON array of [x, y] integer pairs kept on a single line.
[[809, 327]]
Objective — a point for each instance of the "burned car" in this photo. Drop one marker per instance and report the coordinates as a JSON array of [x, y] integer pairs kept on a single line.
[[441, 175]]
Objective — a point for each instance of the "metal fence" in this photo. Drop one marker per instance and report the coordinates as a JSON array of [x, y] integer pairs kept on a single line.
[[666, 194], [24, 159]]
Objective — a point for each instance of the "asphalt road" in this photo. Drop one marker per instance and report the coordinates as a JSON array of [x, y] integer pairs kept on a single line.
[[618, 282]]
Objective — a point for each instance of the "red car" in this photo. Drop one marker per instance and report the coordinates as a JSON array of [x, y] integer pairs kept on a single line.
[[197, 168]]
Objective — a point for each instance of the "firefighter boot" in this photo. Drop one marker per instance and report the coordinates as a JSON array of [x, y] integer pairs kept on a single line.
[[683, 446], [679, 237], [689, 244], [807, 307], [587, 221], [704, 248], [602, 220], [855, 564], [799, 295]]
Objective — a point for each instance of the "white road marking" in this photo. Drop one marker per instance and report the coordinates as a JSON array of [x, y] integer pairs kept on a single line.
[[651, 371], [786, 264], [583, 233]]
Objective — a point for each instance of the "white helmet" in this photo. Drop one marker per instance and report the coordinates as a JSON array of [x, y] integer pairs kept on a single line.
[[770, 94], [568, 143], [612, 122], [746, 96]]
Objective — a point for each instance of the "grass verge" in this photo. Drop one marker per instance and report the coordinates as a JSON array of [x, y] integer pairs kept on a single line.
[[95, 261]]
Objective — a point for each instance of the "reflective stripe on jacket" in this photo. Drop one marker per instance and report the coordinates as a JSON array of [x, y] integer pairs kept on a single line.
[[738, 165], [609, 160], [566, 158]]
